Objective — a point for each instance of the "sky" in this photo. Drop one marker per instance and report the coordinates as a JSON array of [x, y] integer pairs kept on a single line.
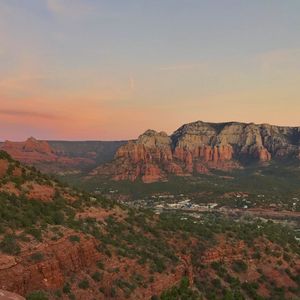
[[109, 70]]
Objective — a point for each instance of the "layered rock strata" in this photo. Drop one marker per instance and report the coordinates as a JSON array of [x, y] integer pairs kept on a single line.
[[200, 147]]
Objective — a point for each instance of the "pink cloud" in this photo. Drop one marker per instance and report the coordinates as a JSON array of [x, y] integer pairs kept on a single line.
[[24, 113]]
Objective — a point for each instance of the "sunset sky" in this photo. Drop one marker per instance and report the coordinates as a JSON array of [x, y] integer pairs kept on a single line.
[[107, 70]]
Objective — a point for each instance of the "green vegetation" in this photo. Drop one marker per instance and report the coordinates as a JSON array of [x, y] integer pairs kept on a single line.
[[181, 292], [97, 276], [278, 182], [149, 240], [37, 295], [84, 284], [239, 266], [126, 286], [74, 238], [10, 245], [67, 288], [251, 289], [37, 256], [6, 156], [34, 216], [100, 265]]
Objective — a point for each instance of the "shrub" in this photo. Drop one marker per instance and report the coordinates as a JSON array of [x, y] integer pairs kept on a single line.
[[72, 297], [10, 245], [239, 266], [97, 276], [5, 155], [113, 292], [256, 255], [74, 238], [58, 218], [217, 283], [37, 295], [67, 288], [100, 265], [286, 257], [84, 284], [37, 256], [183, 291], [251, 288], [58, 294], [36, 233]]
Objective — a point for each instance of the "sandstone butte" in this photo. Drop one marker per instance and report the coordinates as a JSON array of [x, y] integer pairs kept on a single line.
[[30, 151], [198, 148]]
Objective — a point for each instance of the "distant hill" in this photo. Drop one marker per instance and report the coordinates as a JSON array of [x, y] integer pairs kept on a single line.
[[100, 151], [61, 156]]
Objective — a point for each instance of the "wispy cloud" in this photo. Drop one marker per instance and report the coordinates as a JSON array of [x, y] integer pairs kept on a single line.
[[131, 83], [24, 113], [71, 8], [280, 59], [182, 67]]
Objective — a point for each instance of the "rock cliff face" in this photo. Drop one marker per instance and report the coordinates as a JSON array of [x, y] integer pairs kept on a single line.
[[149, 158], [199, 147], [25, 275]]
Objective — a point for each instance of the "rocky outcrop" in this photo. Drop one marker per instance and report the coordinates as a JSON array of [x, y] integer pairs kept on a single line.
[[41, 192], [199, 147], [153, 157], [60, 258], [264, 155], [4, 295], [149, 158], [150, 146]]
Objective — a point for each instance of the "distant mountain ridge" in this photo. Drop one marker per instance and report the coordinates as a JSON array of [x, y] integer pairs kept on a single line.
[[196, 147], [60, 156], [199, 147]]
